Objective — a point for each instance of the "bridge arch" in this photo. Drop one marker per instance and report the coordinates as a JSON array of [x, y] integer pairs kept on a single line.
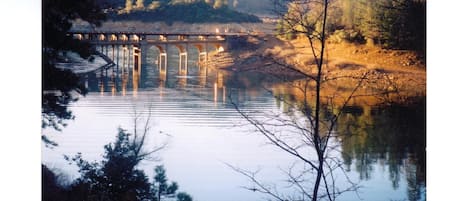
[[203, 50], [162, 59], [113, 37], [134, 37], [124, 37], [200, 47], [160, 48], [220, 47], [102, 37], [187, 44], [78, 36], [183, 58], [181, 47]]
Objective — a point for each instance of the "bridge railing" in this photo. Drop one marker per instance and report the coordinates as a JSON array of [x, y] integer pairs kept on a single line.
[[101, 34], [126, 37]]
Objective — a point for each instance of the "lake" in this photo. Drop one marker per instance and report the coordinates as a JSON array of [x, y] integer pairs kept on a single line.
[[382, 147]]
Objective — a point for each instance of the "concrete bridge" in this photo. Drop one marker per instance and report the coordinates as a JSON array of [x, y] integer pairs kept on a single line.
[[135, 44]]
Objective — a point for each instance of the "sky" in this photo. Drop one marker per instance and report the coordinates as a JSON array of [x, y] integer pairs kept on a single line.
[[447, 71]]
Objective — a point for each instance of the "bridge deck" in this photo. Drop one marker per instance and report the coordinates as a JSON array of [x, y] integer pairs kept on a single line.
[[155, 33], [151, 42]]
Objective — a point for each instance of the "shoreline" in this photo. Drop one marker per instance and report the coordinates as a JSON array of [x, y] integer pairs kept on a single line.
[[391, 75]]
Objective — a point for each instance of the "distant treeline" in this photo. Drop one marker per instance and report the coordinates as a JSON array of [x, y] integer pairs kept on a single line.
[[246, 6], [395, 24], [191, 11]]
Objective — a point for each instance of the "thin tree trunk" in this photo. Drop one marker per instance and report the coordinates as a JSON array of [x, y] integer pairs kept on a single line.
[[317, 137]]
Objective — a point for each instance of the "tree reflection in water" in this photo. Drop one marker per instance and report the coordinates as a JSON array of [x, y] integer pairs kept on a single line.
[[393, 135]]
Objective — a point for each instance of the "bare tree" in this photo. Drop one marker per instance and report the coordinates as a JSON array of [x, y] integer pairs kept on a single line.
[[311, 127]]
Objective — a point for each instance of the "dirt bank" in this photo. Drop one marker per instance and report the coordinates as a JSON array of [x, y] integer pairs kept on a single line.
[[381, 75]]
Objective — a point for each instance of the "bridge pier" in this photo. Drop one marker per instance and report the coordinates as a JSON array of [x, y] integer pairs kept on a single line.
[[137, 60], [107, 51], [124, 62], [117, 60], [124, 84], [163, 63], [133, 46], [183, 58], [135, 83], [203, 57], [203, 60], [220, 79], [129, 57], [113, 55], [203, 54], [203, 72], [183, 63]]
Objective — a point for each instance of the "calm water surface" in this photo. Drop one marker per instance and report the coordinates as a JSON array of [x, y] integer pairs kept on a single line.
[[384, 150]]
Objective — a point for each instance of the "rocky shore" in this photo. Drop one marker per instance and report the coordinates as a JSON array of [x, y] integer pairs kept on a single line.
[[374, 75]]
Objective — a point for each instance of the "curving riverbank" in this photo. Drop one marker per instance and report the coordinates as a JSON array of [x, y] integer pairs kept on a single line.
[[374, 75]]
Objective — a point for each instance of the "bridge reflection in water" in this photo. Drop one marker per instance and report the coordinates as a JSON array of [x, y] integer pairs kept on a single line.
[[164, 56], [134, 46], [139, 68]]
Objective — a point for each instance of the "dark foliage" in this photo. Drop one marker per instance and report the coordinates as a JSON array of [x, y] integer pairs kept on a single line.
[[394, 134], [51, 189], [58, 91], [197, 12], [183, 197], [393, 24], [58, 16], [59, 86], [402, 24], [161, 187], [116, 177]]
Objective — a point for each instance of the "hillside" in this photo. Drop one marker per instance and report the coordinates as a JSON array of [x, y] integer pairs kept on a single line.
[[195, 12], [255, 7]]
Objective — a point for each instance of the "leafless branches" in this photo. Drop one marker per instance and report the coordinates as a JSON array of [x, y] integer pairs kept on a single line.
[[306, 135], [139, 137]]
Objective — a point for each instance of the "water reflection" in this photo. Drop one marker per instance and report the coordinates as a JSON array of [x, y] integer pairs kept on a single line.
[[125, 78], [391, 135], [135, 83], [115, 80], [387, 136], [372, 137]]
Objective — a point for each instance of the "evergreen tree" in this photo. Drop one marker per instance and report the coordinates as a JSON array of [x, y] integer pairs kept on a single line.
[[402, 24], [116, 177], [183, 197], [161, 187]]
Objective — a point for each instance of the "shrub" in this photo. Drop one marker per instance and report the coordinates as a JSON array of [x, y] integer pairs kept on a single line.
[[347, 35]]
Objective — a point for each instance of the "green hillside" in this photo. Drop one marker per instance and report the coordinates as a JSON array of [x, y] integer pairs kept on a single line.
[[193, 12]]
